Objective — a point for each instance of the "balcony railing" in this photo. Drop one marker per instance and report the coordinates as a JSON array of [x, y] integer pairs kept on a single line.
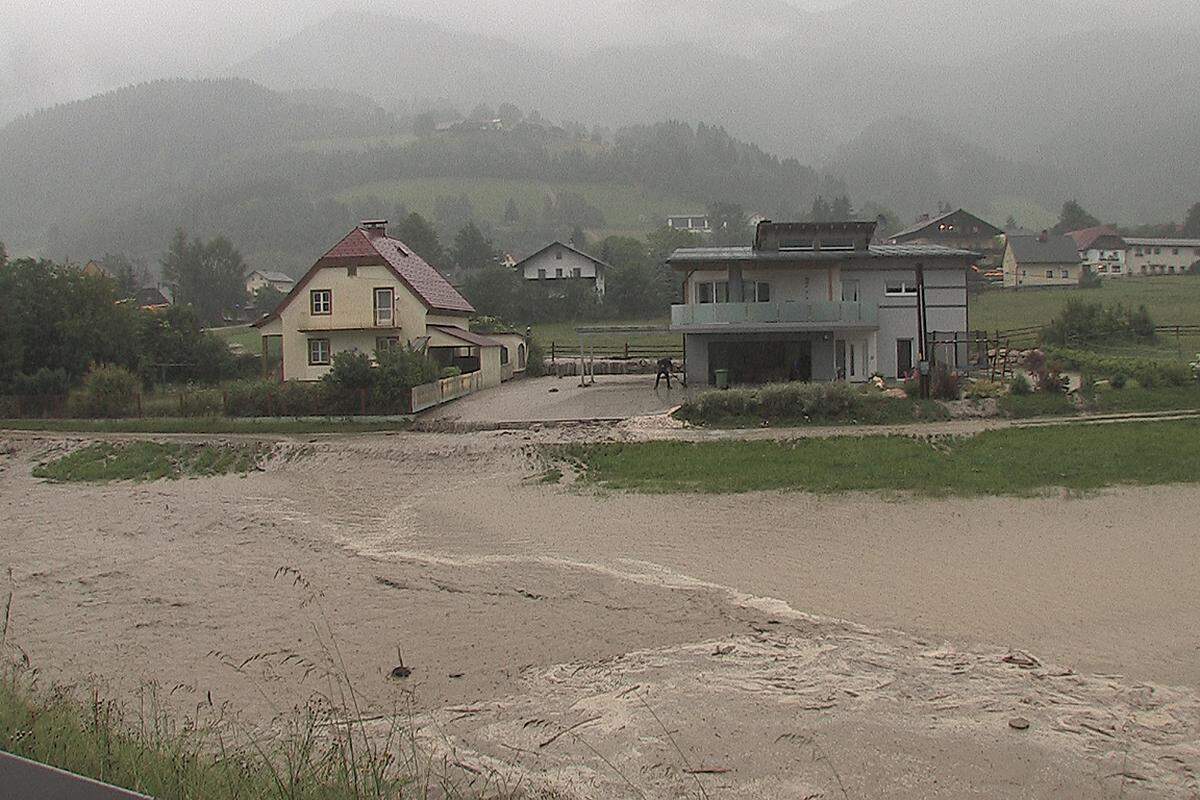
[[786, 312]]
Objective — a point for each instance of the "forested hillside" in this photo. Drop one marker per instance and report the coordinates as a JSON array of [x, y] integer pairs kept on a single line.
[[283, 174]]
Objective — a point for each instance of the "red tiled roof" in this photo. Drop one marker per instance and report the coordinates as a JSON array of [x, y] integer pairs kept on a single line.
[[368, 246], [1087, 236]]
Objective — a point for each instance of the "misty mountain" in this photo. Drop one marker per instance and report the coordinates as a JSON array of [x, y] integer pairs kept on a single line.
[[907, 164], [281, 174], [1038, 83]]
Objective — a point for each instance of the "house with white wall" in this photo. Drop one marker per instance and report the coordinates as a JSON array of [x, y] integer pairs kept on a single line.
[[817, 301], [558, 262], [279, 281], [1044, 259], [370, 292], [1102, 250], [1160, 256]]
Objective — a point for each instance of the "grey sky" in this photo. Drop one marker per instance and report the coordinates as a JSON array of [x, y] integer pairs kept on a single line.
[[59, 50]]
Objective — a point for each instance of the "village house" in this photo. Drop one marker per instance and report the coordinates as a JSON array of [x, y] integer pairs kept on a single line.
[[562, 262], [371, 292], [1102, 250], [279, 281], [960, 229], [1162, 256], [1043, 260], [817, 301], [695, 223]]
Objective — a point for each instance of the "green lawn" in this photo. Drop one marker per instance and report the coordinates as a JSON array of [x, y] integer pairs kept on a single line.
[[1171, 299], [564, 335], [626, 207], [1008, 462], [245, 336], [150, 461]]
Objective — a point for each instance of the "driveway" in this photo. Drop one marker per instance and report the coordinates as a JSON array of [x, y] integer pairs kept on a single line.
[[554, 399]]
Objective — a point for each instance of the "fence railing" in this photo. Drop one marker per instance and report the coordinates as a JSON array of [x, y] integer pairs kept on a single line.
[[560, 351]]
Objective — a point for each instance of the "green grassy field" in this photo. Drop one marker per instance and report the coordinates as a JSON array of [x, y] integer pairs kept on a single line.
[[1008, 462], [150, 461], [246, 337], [626, 208], [563, 333], [1171, 299]]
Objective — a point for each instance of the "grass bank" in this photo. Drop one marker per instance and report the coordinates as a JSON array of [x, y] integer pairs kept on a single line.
[[1007, 462], [151, 461], [214, 425]]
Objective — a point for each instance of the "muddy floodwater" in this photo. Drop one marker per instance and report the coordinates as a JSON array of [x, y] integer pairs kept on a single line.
[[607, 645]]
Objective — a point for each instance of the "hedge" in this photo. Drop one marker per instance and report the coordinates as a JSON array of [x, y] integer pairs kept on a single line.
[[1147, 372], [805, 403]]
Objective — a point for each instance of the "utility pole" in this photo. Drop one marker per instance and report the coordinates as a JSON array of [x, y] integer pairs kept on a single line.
[[923, 360]]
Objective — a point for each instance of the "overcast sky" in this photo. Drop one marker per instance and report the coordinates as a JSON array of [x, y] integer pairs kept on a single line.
[[55, 50], [59, 50]]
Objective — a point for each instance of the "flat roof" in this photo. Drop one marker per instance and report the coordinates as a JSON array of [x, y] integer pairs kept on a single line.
[[690, 255]]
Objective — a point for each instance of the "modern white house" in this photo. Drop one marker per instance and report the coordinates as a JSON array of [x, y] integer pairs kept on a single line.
[[279, 281], [1102, 250], [817, 301], [560, 262], [1162, 256], [370, 292]]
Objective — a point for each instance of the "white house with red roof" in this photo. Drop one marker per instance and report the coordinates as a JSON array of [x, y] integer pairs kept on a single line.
[[1102, 249], [369, 292]]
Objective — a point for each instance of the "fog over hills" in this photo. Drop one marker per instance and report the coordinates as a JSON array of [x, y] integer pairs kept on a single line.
[[1006, 104]]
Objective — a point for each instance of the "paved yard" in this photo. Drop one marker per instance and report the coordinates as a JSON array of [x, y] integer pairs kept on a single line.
[[551, 399]]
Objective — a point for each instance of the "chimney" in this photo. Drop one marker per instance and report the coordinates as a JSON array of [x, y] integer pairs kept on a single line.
[[374, 227], [1044, 236]]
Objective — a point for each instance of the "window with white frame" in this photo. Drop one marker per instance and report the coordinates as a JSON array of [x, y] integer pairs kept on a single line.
[[712, 292], [541, 274], [558, 273], [318, 352], [385, 308], [903, 288], [320, 301], [1066, 273]]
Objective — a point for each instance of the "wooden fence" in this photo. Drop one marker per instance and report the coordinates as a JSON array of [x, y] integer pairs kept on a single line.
[[434, 394], [617, 352]]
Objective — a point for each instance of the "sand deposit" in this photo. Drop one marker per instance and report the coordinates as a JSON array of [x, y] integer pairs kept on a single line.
[[758, 646]]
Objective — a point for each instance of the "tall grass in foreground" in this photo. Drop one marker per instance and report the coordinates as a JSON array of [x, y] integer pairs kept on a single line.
[[328, 748], [151, 461], [1017, 461]]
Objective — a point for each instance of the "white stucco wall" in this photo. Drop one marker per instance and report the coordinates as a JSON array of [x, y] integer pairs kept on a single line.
[[560, 263]]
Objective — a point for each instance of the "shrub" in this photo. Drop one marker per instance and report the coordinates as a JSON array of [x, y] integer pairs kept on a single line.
[[982, 389], [1088, 279], [108, 391], [186, 402], [351, 371], [535, 360], [287, 399], [1147, 372], [400, 369], [1086, 322], [1118, 380], [943, 383], [1019, 385], [44, 382], [450, 372]]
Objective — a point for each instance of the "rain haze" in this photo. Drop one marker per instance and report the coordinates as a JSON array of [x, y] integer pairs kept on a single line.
[[588, 399]]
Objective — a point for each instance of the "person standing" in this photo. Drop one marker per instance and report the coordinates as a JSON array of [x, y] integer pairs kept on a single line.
[[664, 371]]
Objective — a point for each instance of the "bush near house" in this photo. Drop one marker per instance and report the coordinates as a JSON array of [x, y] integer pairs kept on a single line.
[[108, 391], [1148, 372], [805, 403], [1090, 322]]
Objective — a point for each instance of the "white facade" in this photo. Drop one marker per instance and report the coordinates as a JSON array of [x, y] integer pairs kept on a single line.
[[560, 262], [1162, 256], [1109, 263], [276, 280], [696, 223]]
